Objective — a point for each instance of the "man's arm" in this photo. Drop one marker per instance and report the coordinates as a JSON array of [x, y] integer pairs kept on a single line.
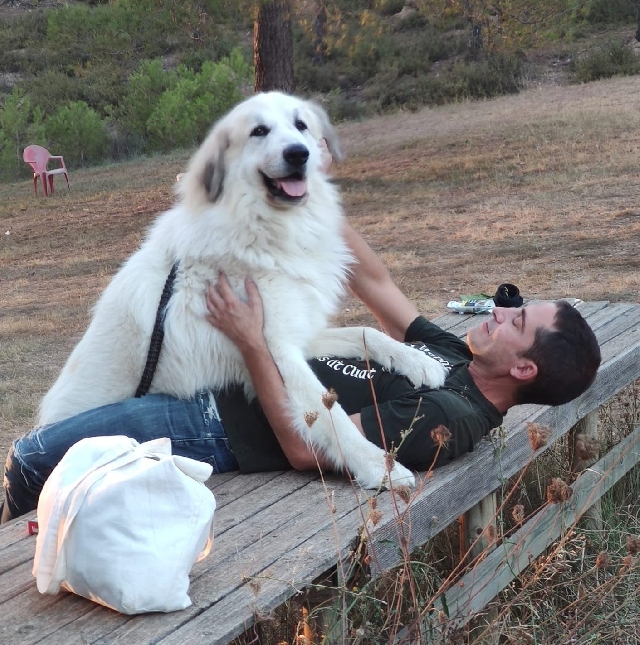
[[372, 284], [242, 323]]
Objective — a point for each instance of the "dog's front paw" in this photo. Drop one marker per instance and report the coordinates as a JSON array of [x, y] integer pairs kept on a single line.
[[421, 369], [377, 476], [401, 476]]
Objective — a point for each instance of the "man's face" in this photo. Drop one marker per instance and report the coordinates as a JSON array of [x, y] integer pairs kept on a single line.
[[500, 341]]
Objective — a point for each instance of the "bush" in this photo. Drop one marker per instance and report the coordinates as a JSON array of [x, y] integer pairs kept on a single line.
[[315, 78], [367, 49], [144, 89], [97, 85], [599, 12], [614, 58], [20, 126], [405, 92], [341, 107], [185, 112], [495, 75], [389, 7], [78, 133], [52, 89], [21, 39]]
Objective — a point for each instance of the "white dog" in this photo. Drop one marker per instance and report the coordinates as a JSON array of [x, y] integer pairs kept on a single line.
[[254, 202]]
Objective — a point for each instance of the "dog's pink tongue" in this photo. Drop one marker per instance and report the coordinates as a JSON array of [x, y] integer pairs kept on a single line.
[[293, 187]]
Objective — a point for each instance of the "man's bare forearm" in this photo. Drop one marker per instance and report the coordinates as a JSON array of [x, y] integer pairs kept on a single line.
[[372, 284]]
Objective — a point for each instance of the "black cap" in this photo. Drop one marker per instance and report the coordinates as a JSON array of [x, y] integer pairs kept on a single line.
[[508, 295]]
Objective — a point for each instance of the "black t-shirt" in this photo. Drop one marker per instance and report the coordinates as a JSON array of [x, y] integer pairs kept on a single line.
[[406, 414]]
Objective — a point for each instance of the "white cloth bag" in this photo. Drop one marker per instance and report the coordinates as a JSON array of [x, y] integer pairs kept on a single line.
[[122, 523]]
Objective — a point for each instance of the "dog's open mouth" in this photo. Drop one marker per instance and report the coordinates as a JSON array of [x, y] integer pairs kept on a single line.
[[291, 188]]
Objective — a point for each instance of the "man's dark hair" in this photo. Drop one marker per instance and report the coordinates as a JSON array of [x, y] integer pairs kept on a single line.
[[567, 358]]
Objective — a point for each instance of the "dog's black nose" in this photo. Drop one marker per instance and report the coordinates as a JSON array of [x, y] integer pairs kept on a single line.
[[296, 155]]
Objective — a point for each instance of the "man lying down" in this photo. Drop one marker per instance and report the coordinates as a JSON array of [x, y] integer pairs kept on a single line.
[[545, 353]]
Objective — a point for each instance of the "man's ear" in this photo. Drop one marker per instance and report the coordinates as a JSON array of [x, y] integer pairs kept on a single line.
[[524, 370]]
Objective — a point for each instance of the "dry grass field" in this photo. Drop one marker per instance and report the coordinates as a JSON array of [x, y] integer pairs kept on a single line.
[[540, 189]]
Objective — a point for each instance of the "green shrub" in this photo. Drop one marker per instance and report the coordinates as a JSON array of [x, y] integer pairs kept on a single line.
[[21, 37], [52, 89], [414, 56], [315, 78], [392, 90], [341, 107], [610, 11], [20, 126], [144, 89], [185, 112], [97, 85], [124, 28], [367, 49], [78, 133], [614, 58], [495, 75], [388, 7]]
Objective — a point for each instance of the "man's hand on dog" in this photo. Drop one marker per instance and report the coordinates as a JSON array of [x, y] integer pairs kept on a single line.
[[240, 321]]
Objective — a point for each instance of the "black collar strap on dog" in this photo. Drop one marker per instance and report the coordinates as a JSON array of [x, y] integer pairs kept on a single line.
[[155, 345], [508, 295]]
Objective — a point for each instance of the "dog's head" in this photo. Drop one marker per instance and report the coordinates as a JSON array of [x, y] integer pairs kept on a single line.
[[269, 144]]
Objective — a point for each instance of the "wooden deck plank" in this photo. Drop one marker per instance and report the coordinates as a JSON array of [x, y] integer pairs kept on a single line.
[[95, 624], [235, 612], [293, 537], [215, 481], [18, 580], [220, 574], [15, 531], [236, 530], [14, 555], [252, 504], [30, 618], [231, 488], [254, 562]]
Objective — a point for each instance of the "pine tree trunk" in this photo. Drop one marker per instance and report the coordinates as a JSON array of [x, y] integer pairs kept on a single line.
[[475, 32], [320, 32], [273, 47]]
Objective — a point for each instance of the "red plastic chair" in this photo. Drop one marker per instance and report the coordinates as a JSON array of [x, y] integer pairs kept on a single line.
[[38, 158]]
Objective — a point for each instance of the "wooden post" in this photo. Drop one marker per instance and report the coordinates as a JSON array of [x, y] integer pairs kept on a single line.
[[584, 446], [478, 531], [327, 618], [478, 528]]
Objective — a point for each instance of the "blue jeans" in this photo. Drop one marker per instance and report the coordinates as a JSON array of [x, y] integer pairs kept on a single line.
[[193, 426]]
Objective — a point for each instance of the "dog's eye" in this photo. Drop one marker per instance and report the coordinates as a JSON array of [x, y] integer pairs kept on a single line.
[[260, 131], [301, 125]]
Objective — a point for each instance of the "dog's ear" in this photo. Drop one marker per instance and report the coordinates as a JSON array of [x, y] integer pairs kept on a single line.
[[204, 180], [213, 177], [328, 133], [214, 167]]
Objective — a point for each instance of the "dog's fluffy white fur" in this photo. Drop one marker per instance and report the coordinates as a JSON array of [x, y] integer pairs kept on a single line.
[[244, 209]]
